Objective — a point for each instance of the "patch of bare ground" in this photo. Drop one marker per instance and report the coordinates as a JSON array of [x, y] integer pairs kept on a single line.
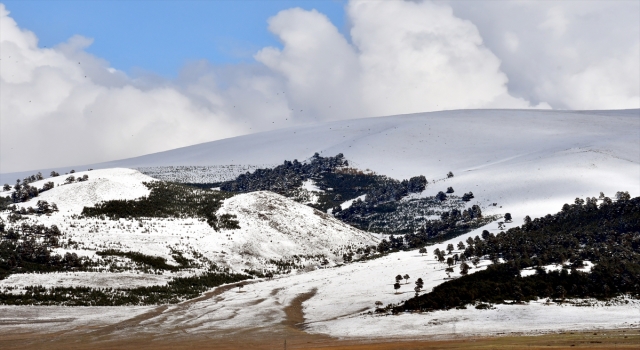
[[294, 312], [275, 338]]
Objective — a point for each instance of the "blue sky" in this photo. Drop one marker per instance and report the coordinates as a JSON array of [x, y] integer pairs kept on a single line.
[[161, 36]]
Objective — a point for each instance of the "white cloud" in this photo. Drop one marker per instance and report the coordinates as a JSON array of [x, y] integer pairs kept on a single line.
[[571, 54], [64, 106], [419, 57]]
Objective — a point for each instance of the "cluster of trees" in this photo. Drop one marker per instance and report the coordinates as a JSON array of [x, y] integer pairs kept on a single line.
[[71, 179], [153, 262], [169, 200], [27, 248], [331, 175], [42, 207], [602, 231], [27, 180], [441, 196], [399, 278], [24, 191], [286, 176], [381, 209], [452, 223]]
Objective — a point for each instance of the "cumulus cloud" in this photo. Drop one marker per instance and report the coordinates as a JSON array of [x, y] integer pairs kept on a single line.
[[570, 54], [63, 106]]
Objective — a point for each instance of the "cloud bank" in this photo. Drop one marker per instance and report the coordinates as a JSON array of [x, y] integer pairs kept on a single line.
[[62, 106]]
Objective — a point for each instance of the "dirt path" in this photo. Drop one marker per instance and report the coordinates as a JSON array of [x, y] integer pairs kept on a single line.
[[294, 312]]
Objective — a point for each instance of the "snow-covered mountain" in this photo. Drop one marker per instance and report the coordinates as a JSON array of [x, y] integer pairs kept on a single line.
[[530, 162]]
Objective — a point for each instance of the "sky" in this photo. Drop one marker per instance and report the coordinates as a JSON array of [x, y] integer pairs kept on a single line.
[[89, 81]]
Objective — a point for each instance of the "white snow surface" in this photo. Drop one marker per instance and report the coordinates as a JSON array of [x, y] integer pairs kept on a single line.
[[102, 185], [346, 204], [273, 226], [85, 279], [530, 162], [311, 186], [199, 174]]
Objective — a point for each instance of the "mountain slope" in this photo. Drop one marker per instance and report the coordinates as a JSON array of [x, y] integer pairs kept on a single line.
[[530, 162]]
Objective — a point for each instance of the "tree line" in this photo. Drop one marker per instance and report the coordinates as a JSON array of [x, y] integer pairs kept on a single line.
[[602, 231]]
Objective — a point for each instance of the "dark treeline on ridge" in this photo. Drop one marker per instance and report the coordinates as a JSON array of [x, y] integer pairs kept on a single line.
[[168, 200]]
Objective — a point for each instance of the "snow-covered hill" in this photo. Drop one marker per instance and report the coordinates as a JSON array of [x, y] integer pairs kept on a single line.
[[530, 162], [102, 185], [272, 227]]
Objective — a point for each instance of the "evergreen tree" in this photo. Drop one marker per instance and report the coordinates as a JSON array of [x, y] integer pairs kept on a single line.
[[450, 247], [464, 269]]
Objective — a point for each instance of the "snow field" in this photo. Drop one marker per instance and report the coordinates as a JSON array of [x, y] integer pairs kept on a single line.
[[199, 174], [84, 279], [344, 295], [103, 185]]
